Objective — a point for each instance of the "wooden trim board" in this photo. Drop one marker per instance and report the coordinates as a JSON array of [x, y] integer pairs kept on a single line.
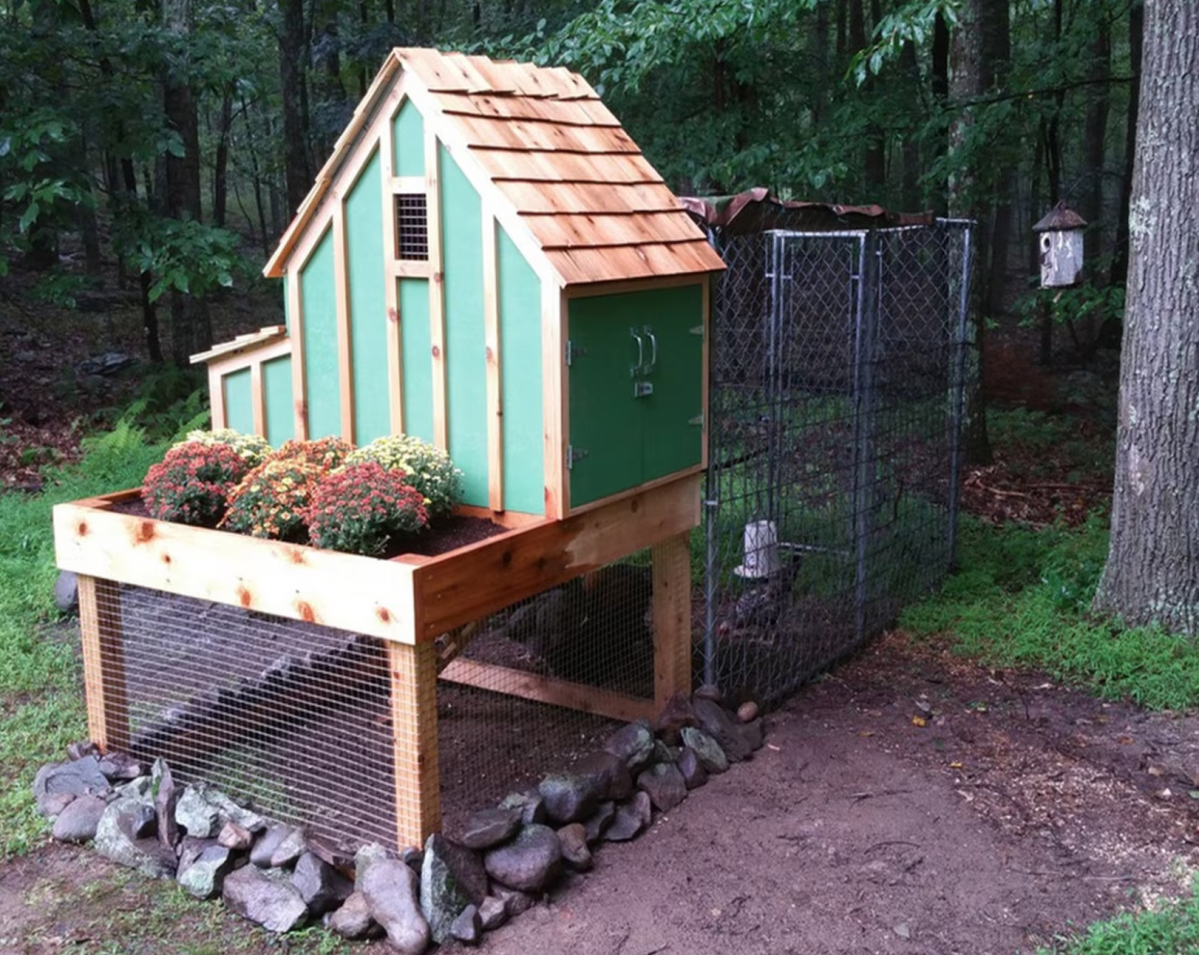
[[554, 397], [491, 344], [672, 618], [441, 436], [415, 762], [341, 293], [103, 663], [391, 298]]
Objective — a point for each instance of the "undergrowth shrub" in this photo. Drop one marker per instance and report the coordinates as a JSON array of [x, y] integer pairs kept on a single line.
[[191, 485], [362, 508], [272, 500], [250, 447], [426, 467]]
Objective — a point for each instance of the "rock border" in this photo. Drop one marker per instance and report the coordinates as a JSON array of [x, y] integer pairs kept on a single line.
[[507, 856]]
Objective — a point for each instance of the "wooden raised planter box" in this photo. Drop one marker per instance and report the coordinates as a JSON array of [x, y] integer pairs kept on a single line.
[[407, 601]]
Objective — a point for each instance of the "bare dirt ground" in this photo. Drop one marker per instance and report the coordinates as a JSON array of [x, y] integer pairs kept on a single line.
[[1019, 810]]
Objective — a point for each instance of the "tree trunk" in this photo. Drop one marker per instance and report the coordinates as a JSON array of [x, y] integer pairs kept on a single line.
[[966, 78], [220, 174], [939, 80], [1136, 32], [292, 57], [1152, 572], [997, 55], [910, 185]]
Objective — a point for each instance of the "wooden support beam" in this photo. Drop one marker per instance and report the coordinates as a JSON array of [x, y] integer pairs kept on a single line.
[[299, 382], [257, 400], [491, 341], [103, 663], [341, 293], [391, 298], [216, 398], [672, 617], [547, 689], [414, 737], [554, 400], [441, 434]]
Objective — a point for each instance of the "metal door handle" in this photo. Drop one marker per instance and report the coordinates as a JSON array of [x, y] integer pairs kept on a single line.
[[640, 350], [653, 342]]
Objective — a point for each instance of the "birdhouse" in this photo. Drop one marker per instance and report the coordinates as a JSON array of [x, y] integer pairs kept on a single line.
[[489, 263], [1061, 239]]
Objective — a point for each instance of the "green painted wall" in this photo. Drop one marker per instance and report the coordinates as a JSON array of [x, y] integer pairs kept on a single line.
[[408, 139], [239, 409], [466, 364], [633, 440], [276, 386], [366, 282], [418, 363], [520, 379], [318, 300]]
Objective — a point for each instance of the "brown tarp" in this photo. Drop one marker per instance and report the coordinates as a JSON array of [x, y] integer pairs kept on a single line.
[[756, 210]]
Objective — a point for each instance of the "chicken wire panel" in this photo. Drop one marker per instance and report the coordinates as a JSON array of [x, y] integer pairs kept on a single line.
[[584, 645], [836, 397], [290, 717]]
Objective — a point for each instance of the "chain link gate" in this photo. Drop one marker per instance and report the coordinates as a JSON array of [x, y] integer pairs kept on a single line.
[[836, 402]]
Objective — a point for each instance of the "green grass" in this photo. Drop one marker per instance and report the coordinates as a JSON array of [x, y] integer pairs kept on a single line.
[[1171, 928], [1021, 598], [41, 699]]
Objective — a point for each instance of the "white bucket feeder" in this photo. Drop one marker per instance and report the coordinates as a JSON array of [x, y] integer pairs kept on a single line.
[[1061, 246], [761, 548]]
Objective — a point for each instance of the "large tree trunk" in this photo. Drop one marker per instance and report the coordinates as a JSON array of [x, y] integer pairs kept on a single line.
[[1136, 25], [292, 58], [1152, 572], [939, 81]]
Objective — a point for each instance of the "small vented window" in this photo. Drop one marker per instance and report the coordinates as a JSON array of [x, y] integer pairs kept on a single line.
[[412, 227]]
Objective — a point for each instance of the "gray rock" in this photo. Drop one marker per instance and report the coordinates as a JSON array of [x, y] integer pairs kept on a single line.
[[492, 913], [708, 692], [529, 862], [81, 748], [231, 811], [321, 886], [634, 743], [116, 839], [191, 848], [390, 888], [66, 591], [119, 768], [755, 733], [451, 878], [196, 814], [747, 712], [569, 798], [352, 919], [490, 827], [289, 849], [141, 788], [665, 785], [80, 777], [530, 803], [663, 753], [694, 774], [468, 926], [144, 820], [676, 714], [413, 858], [631, 819], [269, 842], [233, 836], [608, 772], [706, 749], [329, 852], [267, 899], [54, 804], [599, 821], [515, 901], [717, 723], [574, 847], [204, 877], [166, 797], [367, 854], [78, 820]]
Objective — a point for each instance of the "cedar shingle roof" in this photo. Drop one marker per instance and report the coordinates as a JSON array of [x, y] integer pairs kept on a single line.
[[555, 155]]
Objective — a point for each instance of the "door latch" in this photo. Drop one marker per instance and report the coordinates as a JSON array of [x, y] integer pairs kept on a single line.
[[642, 388]]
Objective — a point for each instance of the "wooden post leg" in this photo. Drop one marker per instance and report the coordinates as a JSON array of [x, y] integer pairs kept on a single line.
[[672, 618], [414, 737], [103, 663]]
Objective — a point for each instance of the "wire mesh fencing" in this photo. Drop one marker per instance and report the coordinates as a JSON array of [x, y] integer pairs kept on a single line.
[[836, 406], [300, 720]]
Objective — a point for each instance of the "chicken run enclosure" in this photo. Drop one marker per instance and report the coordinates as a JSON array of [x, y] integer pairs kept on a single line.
[[688, 467]]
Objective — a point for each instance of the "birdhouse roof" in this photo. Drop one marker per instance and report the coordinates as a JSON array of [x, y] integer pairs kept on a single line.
[[565, 180], [1061, 218]]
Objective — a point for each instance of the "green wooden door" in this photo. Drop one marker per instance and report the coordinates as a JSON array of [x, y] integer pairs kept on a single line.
[[605, 418], [672, 431]]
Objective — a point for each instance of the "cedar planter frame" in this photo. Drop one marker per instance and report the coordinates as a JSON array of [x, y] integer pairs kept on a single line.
[[407, 601]]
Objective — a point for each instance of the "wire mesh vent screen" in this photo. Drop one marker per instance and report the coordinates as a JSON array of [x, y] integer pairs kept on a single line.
[[514, 704], [412, 226], [837, 383], [292, 717]]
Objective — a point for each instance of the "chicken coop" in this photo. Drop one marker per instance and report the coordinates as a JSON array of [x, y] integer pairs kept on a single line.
[[839, 345], [487, 262]]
